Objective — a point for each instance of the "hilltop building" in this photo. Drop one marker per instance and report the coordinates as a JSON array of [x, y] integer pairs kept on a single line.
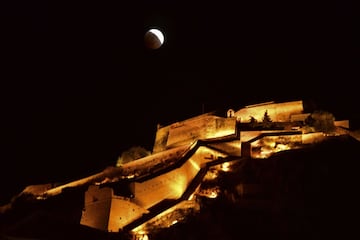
[[149, 191]]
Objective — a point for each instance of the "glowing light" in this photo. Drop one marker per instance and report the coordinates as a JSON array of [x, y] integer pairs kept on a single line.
[[191, 197], [179, 186], [158, 34], [130, 176], [209, 193], [270, 143], [211, 175], [266, 153], [225, 166], [143, 237], [194, 164], [140, 234], [213, 194], [154, 38], [282, 147]]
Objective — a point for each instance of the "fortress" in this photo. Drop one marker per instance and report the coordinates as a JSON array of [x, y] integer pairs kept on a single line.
[[150, 191]]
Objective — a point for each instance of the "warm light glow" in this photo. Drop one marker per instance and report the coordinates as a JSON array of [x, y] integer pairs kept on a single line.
[[208, 154], [142, 237], [211, 175], [266, 146], [214, 133], [282, 147], [277, 111], [194, 164], [269, 143], [130, 176], [181, 151], [213, 194], [179, 186], [167, 218], [209, 193], [265, 153], [158, 34], [191, 197], [225, 166], [140, 234], [312, 137]]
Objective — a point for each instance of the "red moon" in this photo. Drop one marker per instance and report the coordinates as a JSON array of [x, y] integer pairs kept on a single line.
[[153, 39]]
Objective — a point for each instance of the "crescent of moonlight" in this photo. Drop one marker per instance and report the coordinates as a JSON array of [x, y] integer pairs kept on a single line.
[[158, 34]]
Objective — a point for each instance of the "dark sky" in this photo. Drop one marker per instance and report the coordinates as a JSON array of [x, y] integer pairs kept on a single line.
[[78, 86]]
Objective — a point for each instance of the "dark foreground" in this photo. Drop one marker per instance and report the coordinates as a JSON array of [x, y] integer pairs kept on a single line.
[[298, 194]]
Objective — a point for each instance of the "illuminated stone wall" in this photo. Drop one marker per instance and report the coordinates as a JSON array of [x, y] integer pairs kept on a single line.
[[190, 130], [108, 212], [172, 185], [97, 207], [278, 112], [123, 212]]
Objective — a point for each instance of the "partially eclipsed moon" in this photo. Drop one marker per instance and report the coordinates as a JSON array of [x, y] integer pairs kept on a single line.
[[154, 38]]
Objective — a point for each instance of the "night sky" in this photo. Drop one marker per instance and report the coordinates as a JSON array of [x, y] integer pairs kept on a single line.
[[78, 86]]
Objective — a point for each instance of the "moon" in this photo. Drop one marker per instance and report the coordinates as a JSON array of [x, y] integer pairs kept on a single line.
[[154, 38]]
